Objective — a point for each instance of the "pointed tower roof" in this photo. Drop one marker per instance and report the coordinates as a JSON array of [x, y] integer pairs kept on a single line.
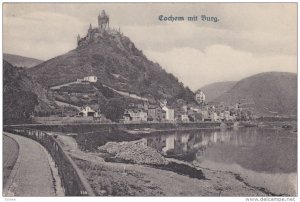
[[103, 14]]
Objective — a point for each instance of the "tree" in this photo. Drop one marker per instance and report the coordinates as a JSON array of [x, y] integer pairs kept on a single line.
[[114, 109]]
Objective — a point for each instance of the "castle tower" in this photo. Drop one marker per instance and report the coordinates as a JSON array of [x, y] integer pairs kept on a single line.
[[90, 28], [103, 20], [78, 39], [89, 32]]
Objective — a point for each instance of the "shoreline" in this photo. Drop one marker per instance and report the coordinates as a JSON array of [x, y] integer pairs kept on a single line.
[[153, 131], [139, 179]]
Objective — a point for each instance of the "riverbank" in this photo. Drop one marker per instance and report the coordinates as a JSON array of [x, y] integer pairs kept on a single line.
[[110, 127], [129, 176]]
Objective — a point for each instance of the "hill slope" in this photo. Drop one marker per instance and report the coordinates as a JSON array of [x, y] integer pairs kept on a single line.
[[268, 93], [117, 63], [20, 61], [214, 90], [22, 96]]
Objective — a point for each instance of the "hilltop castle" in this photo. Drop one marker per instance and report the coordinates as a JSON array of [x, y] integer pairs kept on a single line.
[[103, 20], [94, 33]]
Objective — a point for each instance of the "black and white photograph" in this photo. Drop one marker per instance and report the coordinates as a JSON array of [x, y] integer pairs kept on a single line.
[[135, 99]]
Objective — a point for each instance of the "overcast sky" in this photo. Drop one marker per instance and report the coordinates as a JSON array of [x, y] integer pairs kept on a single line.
[[249, 38]]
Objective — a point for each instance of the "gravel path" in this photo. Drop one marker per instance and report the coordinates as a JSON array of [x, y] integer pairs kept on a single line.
[[10, 155], [32, 174]]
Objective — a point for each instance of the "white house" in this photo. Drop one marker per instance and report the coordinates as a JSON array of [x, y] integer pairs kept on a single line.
[[205, 115], [214, 116], [135, 115], [200, 97], [185, 118], [88, 111], [92, 79], [169, 113], [79, 80]]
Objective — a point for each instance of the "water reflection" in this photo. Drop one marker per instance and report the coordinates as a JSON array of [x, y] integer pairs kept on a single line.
[[263, 150], [264, 157]]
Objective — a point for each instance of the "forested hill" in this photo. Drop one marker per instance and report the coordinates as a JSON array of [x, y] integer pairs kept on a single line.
[[117, 63]]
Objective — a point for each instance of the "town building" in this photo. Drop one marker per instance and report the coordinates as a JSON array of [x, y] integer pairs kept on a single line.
[[134, 116], [79, 80], [205, 115], [214, 116], [185, 118], [88, 111], [91, 79], [154, 113], [169, 113], [200, 97]]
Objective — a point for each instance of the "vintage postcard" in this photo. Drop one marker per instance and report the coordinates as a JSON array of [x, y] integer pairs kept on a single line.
[[150, 99]]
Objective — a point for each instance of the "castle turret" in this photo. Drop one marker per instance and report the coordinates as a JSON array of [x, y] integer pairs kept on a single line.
[[90, 28], [89, 32], [103, 20], [78, 39]]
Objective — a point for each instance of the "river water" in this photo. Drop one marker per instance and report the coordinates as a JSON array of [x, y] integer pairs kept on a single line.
[[263, 157]]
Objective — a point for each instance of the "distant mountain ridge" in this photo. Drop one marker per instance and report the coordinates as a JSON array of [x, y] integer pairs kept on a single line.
[[214, 90], [270, 93], [21, 61]]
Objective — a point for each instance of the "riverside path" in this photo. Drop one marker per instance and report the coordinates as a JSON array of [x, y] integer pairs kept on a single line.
[[32, 174]]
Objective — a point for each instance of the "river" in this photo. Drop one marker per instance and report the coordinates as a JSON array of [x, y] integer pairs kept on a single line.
[[264, 158]]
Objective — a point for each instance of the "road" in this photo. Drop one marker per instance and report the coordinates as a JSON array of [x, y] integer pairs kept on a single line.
[[126, 94], [65, 104], [10, 155], [32, 174]]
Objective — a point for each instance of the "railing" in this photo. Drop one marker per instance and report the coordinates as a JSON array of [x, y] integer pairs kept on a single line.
[[72, 180]]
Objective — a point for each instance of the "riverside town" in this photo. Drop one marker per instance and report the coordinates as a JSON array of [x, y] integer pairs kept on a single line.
[[102, 105]]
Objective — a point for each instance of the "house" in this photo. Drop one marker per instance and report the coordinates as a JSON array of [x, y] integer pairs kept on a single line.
[[91, 79], [169, 113], [214, 116], [154, 113], [185, 118], [200, 97], [79, 80], [226, 115], [135, 116], [222, 116], [184, 109], [88, 111], [191, 114], [205, 115]]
